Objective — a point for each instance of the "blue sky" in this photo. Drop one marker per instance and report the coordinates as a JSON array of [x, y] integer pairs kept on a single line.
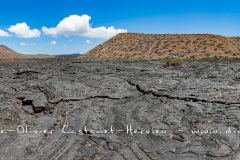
[[76, 26]]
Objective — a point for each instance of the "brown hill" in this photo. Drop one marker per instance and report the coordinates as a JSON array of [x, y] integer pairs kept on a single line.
[[154, 46], [7, 53]]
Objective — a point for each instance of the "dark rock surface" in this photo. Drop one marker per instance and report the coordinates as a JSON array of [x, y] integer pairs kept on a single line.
[[168, 105]]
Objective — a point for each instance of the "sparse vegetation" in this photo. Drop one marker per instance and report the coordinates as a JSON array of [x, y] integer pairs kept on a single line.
[[150, 46], [192, 47]]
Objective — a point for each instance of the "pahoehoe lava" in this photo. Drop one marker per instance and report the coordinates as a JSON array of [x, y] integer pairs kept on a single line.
[[192, 112]]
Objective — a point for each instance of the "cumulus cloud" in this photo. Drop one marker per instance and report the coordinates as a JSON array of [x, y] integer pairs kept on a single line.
[[22, 30], [79, 25], [53, 42], [88, 41], [4, 33]]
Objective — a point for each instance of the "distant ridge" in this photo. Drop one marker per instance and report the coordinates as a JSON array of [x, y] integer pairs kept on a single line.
[[154, 46], [68, 55]]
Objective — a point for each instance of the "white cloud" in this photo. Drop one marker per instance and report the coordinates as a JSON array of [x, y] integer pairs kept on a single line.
[[23, 44], [4, 33], [79, 25], [53, 42], [88, 41], [26, 44], [22, 30]]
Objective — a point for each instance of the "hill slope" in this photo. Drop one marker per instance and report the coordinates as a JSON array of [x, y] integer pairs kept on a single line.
[[6, 52], [153, 46], [10, 55]]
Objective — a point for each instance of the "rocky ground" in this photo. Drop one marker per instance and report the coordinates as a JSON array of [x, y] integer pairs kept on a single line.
[[146, 111]]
